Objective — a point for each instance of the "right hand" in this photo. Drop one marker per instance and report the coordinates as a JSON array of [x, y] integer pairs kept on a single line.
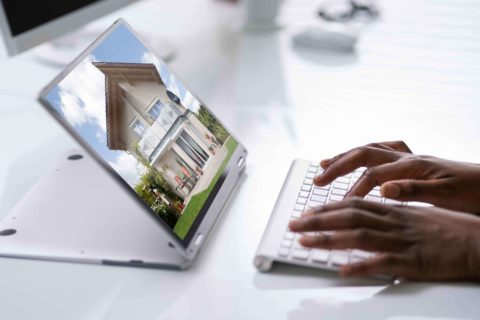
[[404, 176], [418, 243]]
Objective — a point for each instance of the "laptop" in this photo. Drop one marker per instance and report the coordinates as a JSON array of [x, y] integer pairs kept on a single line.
[[279, 245], [155, 174]]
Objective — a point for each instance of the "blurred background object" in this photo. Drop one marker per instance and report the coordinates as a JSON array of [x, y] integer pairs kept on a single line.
[[50, 23], [261, 14], [349, 11]]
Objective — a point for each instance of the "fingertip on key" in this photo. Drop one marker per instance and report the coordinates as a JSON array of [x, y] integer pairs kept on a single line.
[[325, 163], [293, 225]]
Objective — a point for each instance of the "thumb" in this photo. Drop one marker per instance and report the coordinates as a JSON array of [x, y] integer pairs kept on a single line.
[[411, 190]]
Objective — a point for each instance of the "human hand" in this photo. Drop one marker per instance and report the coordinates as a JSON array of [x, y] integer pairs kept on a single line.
[[404, 176], [418, 243]]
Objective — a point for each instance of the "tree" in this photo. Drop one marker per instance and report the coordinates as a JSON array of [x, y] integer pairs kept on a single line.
[[212, 124], [152, 191]]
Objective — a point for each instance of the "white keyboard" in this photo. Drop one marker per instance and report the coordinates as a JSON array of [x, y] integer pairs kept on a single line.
[[311, 196]]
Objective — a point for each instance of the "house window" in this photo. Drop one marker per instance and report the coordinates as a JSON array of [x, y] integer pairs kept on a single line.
[[138, 127], [164, 115], [191, 147], [154, 111]]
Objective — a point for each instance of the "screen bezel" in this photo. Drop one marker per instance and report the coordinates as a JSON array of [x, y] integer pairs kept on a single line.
[[206, 218], [56, 27]]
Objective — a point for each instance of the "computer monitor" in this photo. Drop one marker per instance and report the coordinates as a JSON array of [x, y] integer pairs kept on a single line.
[[25, 23]]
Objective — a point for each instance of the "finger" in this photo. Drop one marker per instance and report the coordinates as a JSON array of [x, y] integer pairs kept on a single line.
[[376, 176], [325, 163], [386, 145], [414, 190], [345, 218], [356, 158], [397, 145], [353, 202], [363, 239], [383, 263]]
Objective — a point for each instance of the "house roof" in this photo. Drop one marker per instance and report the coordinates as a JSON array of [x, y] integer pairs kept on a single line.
[[114, 73]]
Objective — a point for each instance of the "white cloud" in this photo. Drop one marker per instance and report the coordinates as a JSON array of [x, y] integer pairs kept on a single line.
[[82, 95], [129, 168], [149, 57], [190, 102]]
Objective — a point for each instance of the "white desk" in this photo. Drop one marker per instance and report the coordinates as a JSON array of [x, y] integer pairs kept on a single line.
[[415, 76]]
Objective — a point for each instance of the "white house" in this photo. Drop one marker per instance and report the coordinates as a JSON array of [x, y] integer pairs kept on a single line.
[[147, 120]]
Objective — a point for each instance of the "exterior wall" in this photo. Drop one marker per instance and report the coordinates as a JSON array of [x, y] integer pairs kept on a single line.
[[130, 113], [137, 99], [200, 131]]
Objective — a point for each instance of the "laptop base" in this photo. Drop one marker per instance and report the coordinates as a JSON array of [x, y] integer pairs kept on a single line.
[[78, 213]]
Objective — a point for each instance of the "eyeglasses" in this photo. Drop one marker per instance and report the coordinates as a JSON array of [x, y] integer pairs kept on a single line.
[[350, 11]]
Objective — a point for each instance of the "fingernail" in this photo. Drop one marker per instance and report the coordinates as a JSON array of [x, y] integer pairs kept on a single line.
[[307, 241], [293, 225], [325, 162], [318, 179], [390, 190]]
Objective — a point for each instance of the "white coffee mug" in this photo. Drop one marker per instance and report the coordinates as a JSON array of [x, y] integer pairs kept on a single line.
[[261, 14]]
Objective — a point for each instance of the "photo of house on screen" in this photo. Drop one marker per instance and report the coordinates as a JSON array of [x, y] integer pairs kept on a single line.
[[143, 118]]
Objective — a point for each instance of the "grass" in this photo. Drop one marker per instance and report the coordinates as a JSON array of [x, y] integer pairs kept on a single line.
[[196, 203]]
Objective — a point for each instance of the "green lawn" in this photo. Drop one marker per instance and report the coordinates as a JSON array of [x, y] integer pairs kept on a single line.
[[196, 203]]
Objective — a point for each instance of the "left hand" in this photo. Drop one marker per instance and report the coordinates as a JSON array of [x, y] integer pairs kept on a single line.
[[419, 243]]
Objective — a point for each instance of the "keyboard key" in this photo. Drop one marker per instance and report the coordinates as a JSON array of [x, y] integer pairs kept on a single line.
[[301, 254], [308, 181], [343, 180], [310, 175], [357, 173], [296, 214], [360, 254], [286, 243], [314, 204], [354, 259], [312, 169], [298, 245], [339, 192], [334, 197], [306, 187], [394, 202], [320, 199], [339, 258], [304, 194], [302, 200], [320, 256], [284, 252], [314, 164], [373, 198], [340, 185], [289, 236], [375, 192], [299, 207], [320, 192]]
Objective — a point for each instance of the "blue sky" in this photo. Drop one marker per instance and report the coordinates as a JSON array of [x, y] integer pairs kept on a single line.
[[80, 97]]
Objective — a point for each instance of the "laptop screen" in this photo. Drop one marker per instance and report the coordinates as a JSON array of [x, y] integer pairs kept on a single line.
[[141, 120]]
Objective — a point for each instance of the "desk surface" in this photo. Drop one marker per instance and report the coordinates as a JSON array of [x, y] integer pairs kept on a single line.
[[415, 76]]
